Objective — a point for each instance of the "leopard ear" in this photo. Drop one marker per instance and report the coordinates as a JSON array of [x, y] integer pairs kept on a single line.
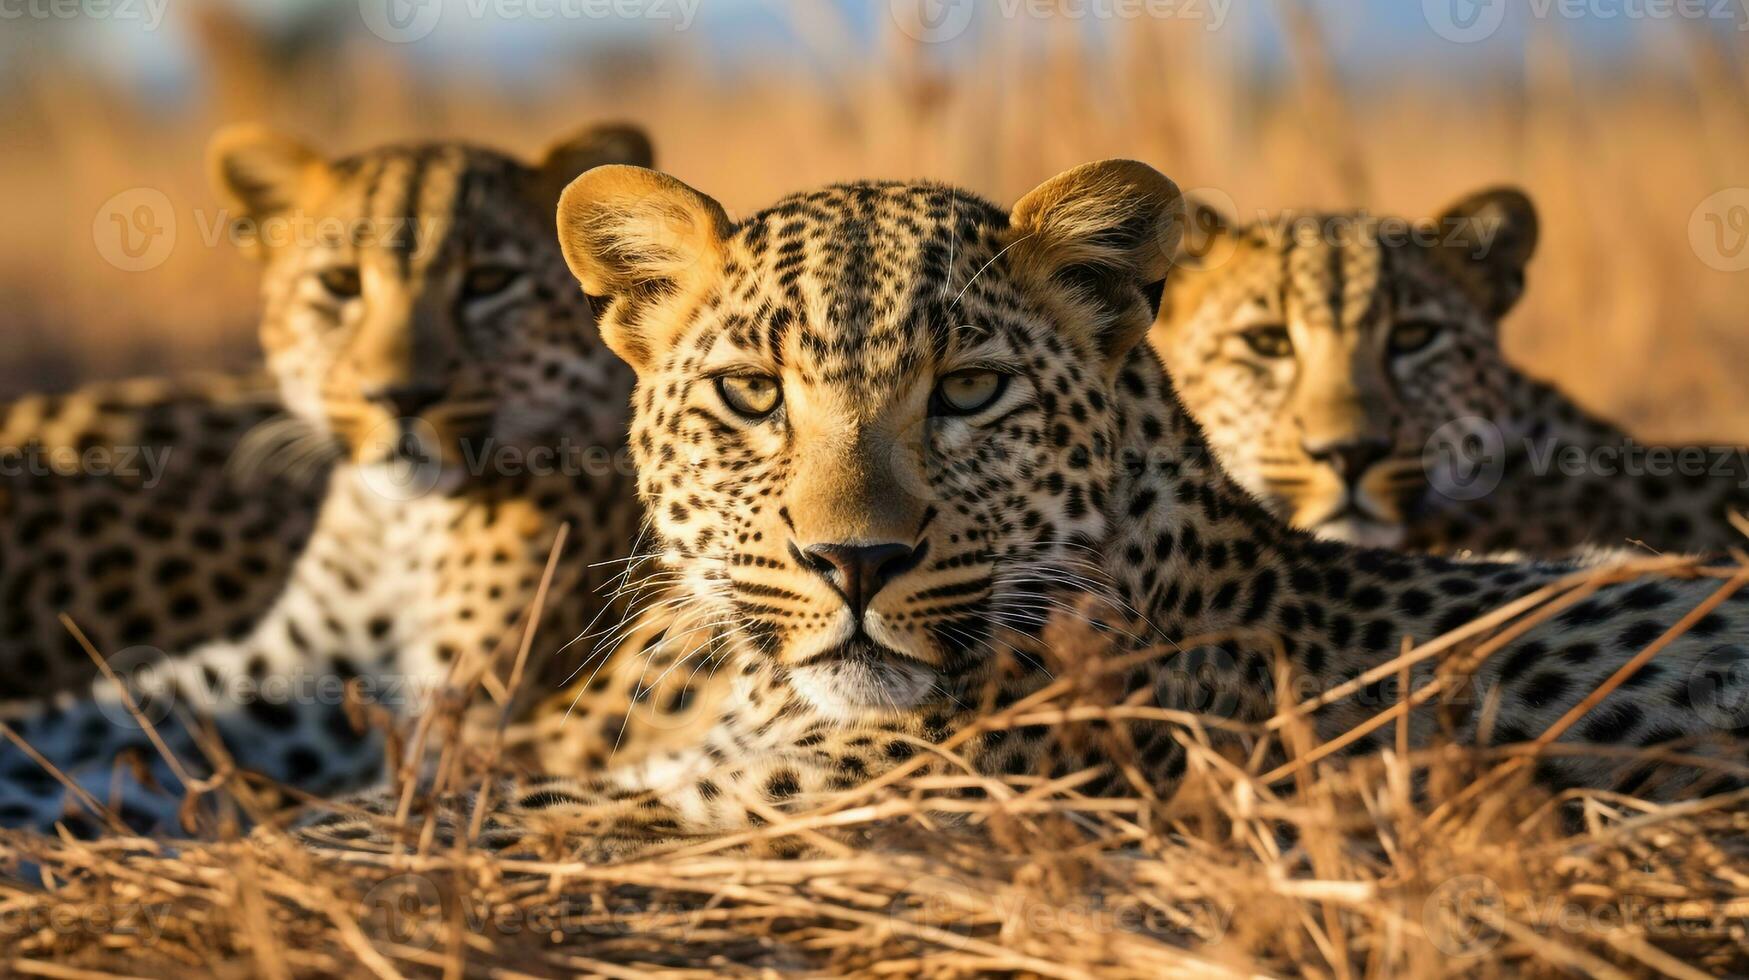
[[1487, 239], [262, 174], [1108, 232], [591, 147], [636, 239]]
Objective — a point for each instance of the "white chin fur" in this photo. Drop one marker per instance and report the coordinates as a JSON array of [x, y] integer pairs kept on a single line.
[[848, 691], [1361, 533]]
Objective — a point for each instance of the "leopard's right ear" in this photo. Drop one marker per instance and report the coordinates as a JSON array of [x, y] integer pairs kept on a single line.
[[261, 174], [637, 240]]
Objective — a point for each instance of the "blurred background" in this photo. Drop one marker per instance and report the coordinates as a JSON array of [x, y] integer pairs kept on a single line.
[[1625, 120]]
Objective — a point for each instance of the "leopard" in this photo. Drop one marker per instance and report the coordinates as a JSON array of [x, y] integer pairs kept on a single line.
[[431, 355], [1348, 369], [886, 430]]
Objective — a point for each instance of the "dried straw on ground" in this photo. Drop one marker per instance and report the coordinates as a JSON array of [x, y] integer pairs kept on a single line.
[[1342, 870]]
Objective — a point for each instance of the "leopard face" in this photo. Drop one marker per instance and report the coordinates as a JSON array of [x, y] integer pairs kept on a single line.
[[872, 423], [415, 303], [1328, 356]]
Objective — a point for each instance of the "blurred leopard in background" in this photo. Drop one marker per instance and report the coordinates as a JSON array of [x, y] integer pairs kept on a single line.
[[439, 370], [1348, 370]]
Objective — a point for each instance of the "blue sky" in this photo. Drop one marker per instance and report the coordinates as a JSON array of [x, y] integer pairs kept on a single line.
[[1367, 36]]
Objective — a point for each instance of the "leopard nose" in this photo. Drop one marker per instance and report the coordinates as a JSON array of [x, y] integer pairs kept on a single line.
[[1350, 458], [858, 572], [407, 400]]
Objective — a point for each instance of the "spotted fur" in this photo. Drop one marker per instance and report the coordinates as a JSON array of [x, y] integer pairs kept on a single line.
[[1348, 370], [115, 510], [881, 540]]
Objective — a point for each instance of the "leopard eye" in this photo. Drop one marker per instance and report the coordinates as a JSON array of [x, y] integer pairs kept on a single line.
[[1269, 340], [488, 280], [968, 392], [342, 281], [1413, 335], [752, 396]]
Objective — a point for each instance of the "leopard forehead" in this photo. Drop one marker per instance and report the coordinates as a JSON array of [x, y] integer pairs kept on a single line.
[[1340, 283], [417, 199], [1339, 269], [409, 215], [860, 285]]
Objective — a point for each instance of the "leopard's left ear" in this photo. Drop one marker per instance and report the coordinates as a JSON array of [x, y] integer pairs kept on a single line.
[[591, 147], [1107, 231], [262, 175], [1487, 239]]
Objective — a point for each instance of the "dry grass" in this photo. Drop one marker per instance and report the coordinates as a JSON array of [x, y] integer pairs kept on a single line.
[[1402, 863], [1372, 891]]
